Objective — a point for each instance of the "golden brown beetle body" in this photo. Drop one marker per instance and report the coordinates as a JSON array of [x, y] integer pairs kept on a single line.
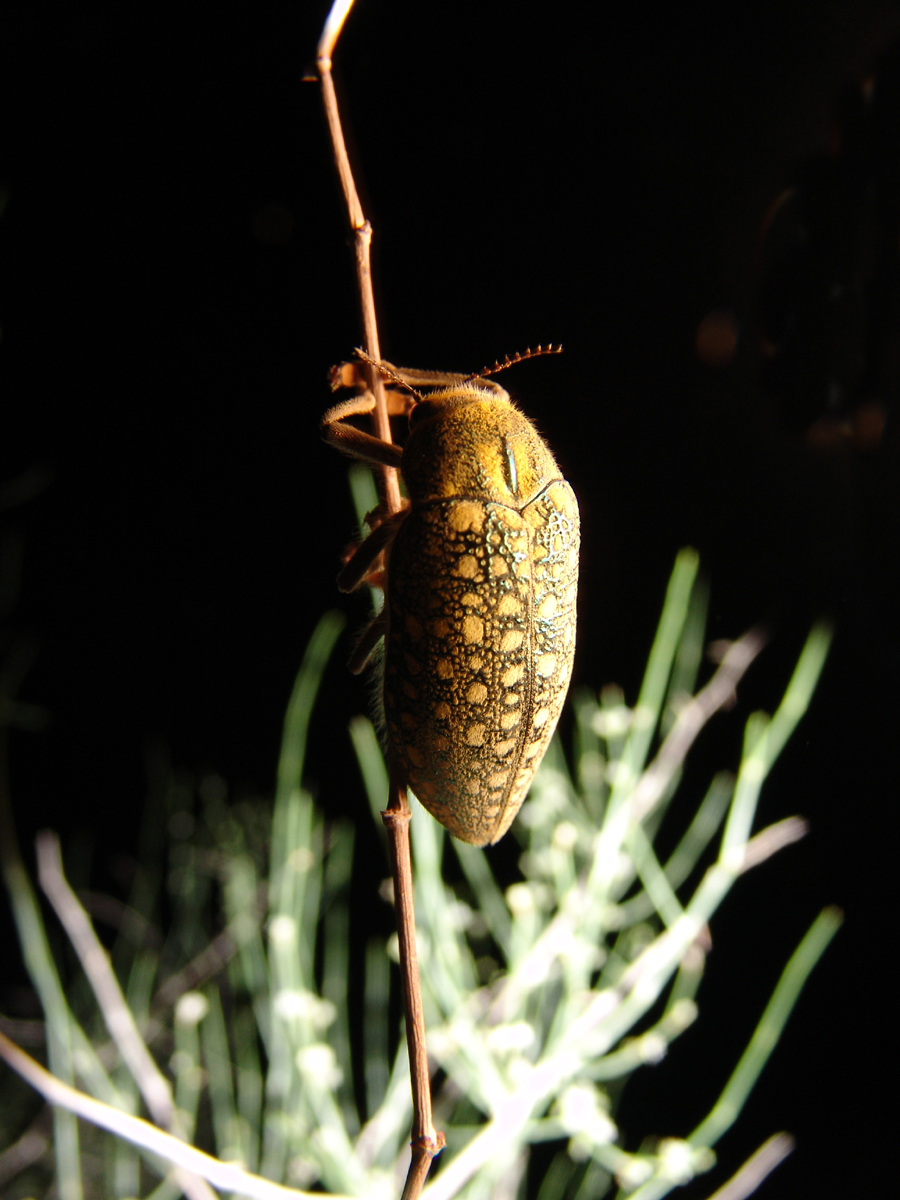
[[480, 575]]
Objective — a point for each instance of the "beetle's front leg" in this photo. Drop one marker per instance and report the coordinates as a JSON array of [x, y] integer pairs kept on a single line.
[[348, 375], [365, 563], [355, 442]]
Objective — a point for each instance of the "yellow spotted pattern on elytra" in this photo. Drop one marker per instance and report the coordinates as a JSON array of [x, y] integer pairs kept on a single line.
[[481, 575], [481, 633]]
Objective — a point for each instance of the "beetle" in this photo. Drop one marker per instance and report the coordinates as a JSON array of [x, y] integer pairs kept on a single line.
[[480, 573]]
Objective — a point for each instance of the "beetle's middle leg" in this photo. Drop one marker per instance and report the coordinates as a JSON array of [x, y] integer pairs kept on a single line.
[[359, 568]]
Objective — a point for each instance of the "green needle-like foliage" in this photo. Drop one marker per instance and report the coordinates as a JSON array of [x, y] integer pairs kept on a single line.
[[542, 995]]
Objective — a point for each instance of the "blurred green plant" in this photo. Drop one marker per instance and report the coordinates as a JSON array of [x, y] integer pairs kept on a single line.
[[541, 998]]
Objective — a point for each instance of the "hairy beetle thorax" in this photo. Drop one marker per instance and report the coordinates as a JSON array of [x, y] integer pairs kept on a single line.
[[467, 441]]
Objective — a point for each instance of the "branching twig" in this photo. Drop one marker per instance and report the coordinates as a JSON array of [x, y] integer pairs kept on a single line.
[[27, 1149], [153, 1085], [42, 971], [715, 695], [212, 959], [362, 238], [758, 1167], [772, 839], [224, 1176]]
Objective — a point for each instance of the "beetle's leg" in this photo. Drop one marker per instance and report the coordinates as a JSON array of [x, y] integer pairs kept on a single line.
[[416, 378], [443, 379], [355, 442], [374, 518], [375, 578], [370, 638], [350, 374], [357, 569]]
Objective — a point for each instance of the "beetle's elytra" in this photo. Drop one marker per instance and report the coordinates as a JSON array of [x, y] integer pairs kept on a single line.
[[480, 571]]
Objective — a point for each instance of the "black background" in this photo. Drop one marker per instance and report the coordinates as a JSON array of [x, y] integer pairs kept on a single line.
[[175, 282]]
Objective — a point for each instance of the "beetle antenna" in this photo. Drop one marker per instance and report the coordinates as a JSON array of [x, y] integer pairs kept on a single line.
[[498, 366], [388, 373]]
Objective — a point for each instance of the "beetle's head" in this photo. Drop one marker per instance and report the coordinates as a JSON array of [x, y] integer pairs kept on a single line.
[[442, 396]]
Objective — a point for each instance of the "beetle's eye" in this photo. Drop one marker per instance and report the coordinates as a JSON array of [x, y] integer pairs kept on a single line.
[[424, 408]]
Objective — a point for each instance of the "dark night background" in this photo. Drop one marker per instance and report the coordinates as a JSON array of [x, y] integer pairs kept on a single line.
[[175, 282]]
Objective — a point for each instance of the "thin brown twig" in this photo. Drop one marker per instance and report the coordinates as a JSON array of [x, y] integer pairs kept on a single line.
[[362, 238], [426, 1142]]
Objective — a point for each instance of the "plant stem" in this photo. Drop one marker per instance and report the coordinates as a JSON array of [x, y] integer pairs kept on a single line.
[[426, 1143], [42, 970], [225, 1176], [362, 238], [757, 1168]]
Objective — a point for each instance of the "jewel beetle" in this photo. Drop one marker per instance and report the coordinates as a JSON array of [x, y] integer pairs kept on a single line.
[[480, 574]]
